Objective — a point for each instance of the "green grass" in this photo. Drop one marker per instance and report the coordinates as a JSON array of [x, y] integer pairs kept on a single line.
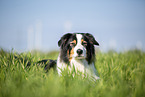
[[122, 75]]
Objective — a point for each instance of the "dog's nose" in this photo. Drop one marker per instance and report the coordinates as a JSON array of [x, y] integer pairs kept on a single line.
[[79, 51]]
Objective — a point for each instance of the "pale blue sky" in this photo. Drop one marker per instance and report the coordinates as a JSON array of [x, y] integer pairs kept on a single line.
[[28, 24]]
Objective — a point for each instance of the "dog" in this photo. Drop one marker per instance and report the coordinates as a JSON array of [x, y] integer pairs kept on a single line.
[[77, 51]]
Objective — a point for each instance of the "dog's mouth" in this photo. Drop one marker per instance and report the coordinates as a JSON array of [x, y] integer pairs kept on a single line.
[[79, 57]]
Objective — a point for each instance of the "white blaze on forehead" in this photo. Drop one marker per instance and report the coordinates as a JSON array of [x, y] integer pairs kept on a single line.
[[79, 38]]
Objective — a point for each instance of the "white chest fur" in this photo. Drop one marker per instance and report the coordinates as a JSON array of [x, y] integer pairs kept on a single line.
[[79, 65]]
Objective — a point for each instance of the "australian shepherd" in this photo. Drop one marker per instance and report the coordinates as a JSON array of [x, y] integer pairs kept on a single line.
[[77, 51]]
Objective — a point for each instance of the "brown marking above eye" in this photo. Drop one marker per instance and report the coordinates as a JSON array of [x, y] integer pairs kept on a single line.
[[73, 43], [83, 42]]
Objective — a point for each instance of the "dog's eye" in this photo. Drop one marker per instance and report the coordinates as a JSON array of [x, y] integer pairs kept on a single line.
[[84, 43], [72, 44]]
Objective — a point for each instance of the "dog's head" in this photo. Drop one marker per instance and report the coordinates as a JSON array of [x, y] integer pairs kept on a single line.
[[77, 46]]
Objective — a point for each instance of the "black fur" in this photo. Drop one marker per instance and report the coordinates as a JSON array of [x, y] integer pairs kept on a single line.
[[65, 46], [46, 63], [90, 47]]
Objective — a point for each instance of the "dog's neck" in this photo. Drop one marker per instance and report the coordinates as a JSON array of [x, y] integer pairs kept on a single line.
[[79, 65]]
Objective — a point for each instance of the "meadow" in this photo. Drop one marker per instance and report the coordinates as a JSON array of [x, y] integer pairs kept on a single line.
[[121, 74]]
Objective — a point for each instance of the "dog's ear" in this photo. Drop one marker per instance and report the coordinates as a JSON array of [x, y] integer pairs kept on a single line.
[[91, 39], [64, 39]]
